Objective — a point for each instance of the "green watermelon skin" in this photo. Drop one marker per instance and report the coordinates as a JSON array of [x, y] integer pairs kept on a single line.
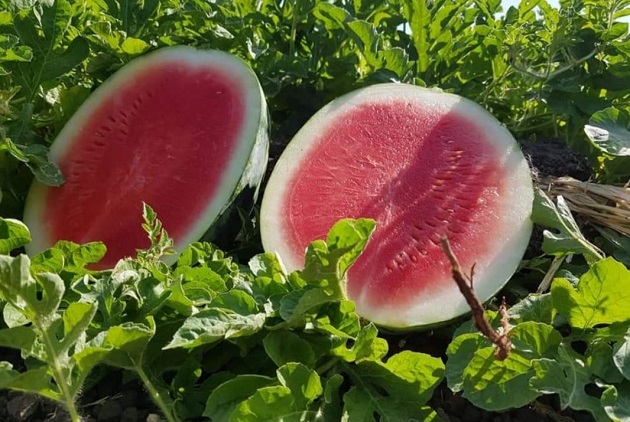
[[422, 163], [181, 129]]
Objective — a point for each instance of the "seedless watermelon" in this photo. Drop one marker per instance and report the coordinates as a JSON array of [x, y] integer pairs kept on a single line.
[[423, 164], [181, 129]]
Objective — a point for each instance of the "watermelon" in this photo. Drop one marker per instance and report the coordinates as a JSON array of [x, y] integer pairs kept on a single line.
[[424, 164], [181, 129]]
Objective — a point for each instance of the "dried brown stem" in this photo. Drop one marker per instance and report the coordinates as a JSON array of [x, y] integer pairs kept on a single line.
[[465, 284]]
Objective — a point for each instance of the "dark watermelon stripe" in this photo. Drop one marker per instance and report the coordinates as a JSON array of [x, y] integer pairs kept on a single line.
[[419, 173], [165, 137]]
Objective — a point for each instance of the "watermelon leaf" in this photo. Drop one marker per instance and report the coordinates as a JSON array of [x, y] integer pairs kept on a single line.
[[54, 336], [609, 130], [600, 298], [13, 234], [567, 375], [327, 262], [35, 156], [485, 380], [213, 325], [285, 346], [616, 401], [224, 399], [621, 355], [303, 382]]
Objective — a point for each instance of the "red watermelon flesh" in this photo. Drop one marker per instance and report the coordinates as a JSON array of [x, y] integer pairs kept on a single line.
[[423, 164], [175, 129]]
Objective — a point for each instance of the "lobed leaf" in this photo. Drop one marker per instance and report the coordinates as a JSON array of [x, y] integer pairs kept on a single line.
[[601, 296]]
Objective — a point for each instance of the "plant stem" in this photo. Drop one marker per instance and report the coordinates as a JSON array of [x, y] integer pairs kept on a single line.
[[294, 22], [59, 375], [156, 396]]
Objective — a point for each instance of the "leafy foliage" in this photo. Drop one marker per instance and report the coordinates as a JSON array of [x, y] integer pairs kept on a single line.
[[290, 346], [543, 360], [144, 316]]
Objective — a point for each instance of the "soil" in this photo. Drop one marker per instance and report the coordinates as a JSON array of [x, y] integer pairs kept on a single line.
[[117, 399]]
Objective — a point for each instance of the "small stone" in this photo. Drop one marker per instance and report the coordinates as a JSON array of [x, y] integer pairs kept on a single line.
[[110, 411], [23, 407], [130, 414], [153, 417]]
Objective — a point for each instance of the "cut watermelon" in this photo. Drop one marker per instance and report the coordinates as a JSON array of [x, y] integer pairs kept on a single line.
[[181, 129], [423, 164]]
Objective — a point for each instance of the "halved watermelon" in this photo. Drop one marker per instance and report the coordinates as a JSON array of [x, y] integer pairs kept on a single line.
[[423, 164], [181, 129]]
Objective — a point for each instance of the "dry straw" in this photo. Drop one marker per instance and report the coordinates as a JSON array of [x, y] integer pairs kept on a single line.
[[604, 205]]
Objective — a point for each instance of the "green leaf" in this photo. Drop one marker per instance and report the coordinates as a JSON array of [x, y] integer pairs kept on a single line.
[[20, 338], [266, 404], [616, 402], [535, 339], [568, 239], [76, 319], [285, 346], [35, 381], [599, 358], [408, 376], [122, 346], [77, 257], [237, 301], [224, 399], [326, 263], [567, 375], [303, 382], [45, 171], [601, 296], [360, 405], [535, 307], [12, 317], [333, 406], [490, 383], [621, 355], [13, 234], [497, 385], [297, 304], [460, 351], [212, 325], [20, 289], [338, 319], [134, 46], [58, 64], [609, 130], [367, 346]]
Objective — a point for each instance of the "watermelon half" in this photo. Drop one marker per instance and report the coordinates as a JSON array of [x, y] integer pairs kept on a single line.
[[181, 129], [423, 164]]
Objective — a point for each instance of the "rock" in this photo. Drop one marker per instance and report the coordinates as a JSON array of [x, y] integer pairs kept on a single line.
[[153, 417], [130, 414]]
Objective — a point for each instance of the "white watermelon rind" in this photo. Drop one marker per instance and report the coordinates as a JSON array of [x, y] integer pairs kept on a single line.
[[246, 168], [490, 274]]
